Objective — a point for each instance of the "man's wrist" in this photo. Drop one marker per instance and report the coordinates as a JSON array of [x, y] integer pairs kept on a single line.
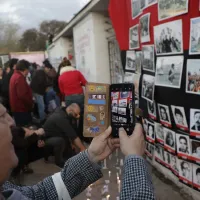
[[91, 157]]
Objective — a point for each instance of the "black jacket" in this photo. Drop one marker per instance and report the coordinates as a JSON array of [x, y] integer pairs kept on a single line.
[[39, 82], [6, 83], [59, 125]]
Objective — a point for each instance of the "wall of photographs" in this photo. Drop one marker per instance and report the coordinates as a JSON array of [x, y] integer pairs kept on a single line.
[[163, 61]]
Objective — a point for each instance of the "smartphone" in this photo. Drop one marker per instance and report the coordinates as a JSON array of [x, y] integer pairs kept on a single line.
[[122, 108]]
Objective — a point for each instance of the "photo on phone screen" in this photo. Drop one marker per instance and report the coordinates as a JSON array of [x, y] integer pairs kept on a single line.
[[122, 108]]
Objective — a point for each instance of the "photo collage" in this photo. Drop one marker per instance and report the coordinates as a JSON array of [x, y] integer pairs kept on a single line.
[[172, 132]]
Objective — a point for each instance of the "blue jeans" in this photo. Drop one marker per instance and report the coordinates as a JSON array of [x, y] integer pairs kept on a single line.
[[51, 95], [41, 107]]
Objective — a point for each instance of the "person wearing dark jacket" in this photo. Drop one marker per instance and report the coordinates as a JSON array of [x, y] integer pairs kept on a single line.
[[20, 94], [39, 85], [59, 126], [6, 81]]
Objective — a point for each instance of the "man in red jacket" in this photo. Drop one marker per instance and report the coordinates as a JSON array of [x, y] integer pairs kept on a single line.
[[21, 100]]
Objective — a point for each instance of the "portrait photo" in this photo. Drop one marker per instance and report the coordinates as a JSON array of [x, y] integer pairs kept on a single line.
[[185, 172], [183, 146], [114, 109], [164, 115], [169, 71], [195, 145], [193, 76], [150, 132], [196, 176], [143, 4], [115, 118], [138, 69], [194, 36], [128, 77], [171, 8], [152, 109], [168, 38], [148, 87], [174, 165], [136, 8], [145, 125], [194, 122], [160, 154], [134, 38], [180, 118], [114, 103], [122, 120], [144, 28], [148, 63], [149, 150], [170, 140], [130, 61], [159, 130]]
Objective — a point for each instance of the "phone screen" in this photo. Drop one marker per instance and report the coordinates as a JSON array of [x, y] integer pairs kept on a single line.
[[122, 108]]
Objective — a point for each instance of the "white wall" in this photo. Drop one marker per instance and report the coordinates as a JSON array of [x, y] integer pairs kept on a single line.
[[58, 50], [91, 48]]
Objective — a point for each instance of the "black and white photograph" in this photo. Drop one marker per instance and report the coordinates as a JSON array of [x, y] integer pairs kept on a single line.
[[195, 156], [124, 95], [193, 76], [195, 122], [185, 172], [196, 177], [123, 103], [159, 130], [168, 38], [115, 118], [136, 82], [149, 151], [150, 132], [151, 2], [148, 87], [136, 8], [145, 122], [174, 165], [194, 36], [128, 77], [167, 159], [152, 110], [171, 8], [114, 103], [170, 140], [183, 146], [114, 109], [130, 60], [122, 111], [160, 154], [180, 118], [148, 61], [164, 115], [138, 69], [169, 71], [134, 37], [122, 120], [144, 28]]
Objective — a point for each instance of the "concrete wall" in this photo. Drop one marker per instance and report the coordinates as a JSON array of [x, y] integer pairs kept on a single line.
[[91, 48], [59, 49]]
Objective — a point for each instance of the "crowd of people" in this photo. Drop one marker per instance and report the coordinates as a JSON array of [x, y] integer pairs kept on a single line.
[[34, 125]]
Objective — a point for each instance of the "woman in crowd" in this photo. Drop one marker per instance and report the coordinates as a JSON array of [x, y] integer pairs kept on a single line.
[[71, 82]]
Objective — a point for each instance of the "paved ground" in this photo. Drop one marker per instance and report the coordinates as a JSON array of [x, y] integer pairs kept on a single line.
[[164, 189]]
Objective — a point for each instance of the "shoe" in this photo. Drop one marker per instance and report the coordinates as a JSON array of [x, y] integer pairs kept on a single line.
[[27, 170]]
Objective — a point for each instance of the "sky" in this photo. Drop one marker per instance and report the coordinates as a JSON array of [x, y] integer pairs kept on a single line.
[[29, 13]]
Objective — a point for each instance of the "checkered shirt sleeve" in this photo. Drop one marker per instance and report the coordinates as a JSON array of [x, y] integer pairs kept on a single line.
[[77, 174], [137, 183]]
